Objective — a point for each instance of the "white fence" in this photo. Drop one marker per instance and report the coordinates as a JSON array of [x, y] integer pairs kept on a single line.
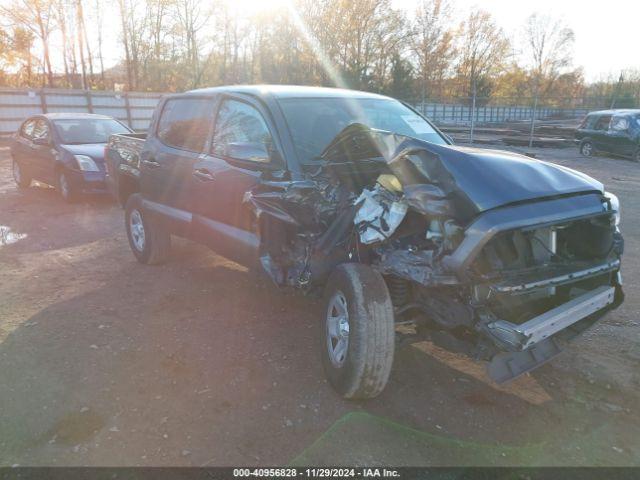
[[133, 108]]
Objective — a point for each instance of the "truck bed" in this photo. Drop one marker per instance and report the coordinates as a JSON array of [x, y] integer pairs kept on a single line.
[[122, 158]]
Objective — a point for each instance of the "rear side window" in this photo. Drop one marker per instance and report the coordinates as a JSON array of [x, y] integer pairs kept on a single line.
[[185, 123], [620, 124]]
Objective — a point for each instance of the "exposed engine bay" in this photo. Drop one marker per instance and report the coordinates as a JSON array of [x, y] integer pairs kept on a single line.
[[491, 254]]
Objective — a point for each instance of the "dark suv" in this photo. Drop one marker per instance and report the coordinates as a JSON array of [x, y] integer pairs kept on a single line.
[[493, 254], [616, 132]]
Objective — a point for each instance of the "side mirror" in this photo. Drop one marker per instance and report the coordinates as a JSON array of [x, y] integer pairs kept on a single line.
[[255, 156], [41, 141]]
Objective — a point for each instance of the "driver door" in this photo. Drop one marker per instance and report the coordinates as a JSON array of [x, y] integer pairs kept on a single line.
[[240, 152], [42, 152]]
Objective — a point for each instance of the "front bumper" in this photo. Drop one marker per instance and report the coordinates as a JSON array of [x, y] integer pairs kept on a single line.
[[520, 337], [535, 342], [88, 182]]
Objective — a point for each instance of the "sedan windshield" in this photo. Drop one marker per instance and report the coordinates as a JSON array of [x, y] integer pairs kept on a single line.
[[314, 122], [87, 130]]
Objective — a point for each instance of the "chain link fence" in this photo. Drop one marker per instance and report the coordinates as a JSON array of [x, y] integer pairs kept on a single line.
[[545, 121]]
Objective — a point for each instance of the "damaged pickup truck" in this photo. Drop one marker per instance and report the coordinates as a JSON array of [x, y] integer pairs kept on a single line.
[[491, 254]]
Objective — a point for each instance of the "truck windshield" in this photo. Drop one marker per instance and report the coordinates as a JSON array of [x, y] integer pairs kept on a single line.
[[87, 130], [314, 122]]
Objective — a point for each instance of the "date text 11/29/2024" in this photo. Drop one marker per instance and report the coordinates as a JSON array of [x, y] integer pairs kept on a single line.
[[316, 472]]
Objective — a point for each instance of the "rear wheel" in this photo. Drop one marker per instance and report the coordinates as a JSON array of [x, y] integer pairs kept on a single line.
[[586, 148], [358, 332], [20, 176], [149, 242]]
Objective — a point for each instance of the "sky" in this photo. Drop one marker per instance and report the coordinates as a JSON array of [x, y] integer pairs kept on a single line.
[[607, 35]]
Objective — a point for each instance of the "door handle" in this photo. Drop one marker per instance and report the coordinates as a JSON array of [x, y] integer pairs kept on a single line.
[[151, 163], [203, 174]]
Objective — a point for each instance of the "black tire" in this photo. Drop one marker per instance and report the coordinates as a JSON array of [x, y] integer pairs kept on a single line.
[[586, 148], [366, 364], [20, 176], [156, 242], [64, 187]]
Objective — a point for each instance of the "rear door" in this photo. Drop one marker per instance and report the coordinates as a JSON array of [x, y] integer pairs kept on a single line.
[[168, 157], [244, 147], [620, 139]]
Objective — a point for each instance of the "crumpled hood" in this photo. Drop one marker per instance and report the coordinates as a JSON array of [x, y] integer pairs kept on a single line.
[[93, 150], [476, 179]]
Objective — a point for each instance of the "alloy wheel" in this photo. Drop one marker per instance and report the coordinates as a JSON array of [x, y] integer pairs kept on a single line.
[[136, 227], [337, 325]]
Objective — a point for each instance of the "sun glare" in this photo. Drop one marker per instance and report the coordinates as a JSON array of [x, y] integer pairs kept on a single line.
[[257, 6]]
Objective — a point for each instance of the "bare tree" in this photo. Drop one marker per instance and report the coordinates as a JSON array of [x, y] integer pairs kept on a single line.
[[38, 17], [61, 18], [483, 49], [550, 48], [192, 17], [99, 26], [432, 43]]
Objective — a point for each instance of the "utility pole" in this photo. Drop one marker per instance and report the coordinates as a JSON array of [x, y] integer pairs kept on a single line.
[[473, 111], [615, 93], [533, 118]]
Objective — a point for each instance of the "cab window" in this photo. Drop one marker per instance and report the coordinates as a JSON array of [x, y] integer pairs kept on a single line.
[[602, 123], [185, 123], [241, 133]]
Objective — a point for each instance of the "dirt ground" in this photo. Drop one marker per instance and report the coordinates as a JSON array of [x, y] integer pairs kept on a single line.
[[104, 361]]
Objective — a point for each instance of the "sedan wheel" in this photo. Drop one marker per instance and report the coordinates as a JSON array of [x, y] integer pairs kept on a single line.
[[65, 189]]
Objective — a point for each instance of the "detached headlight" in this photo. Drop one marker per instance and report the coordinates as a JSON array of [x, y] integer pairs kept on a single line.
[[86, 164], [614, 204]]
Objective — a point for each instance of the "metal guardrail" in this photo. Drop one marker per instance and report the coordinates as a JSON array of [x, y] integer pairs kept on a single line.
[[133, 108]]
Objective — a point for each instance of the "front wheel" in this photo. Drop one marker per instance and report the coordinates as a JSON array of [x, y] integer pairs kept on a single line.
[[358, 337], [149, 242], [586, 148], [20, 176], [67, 191]]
